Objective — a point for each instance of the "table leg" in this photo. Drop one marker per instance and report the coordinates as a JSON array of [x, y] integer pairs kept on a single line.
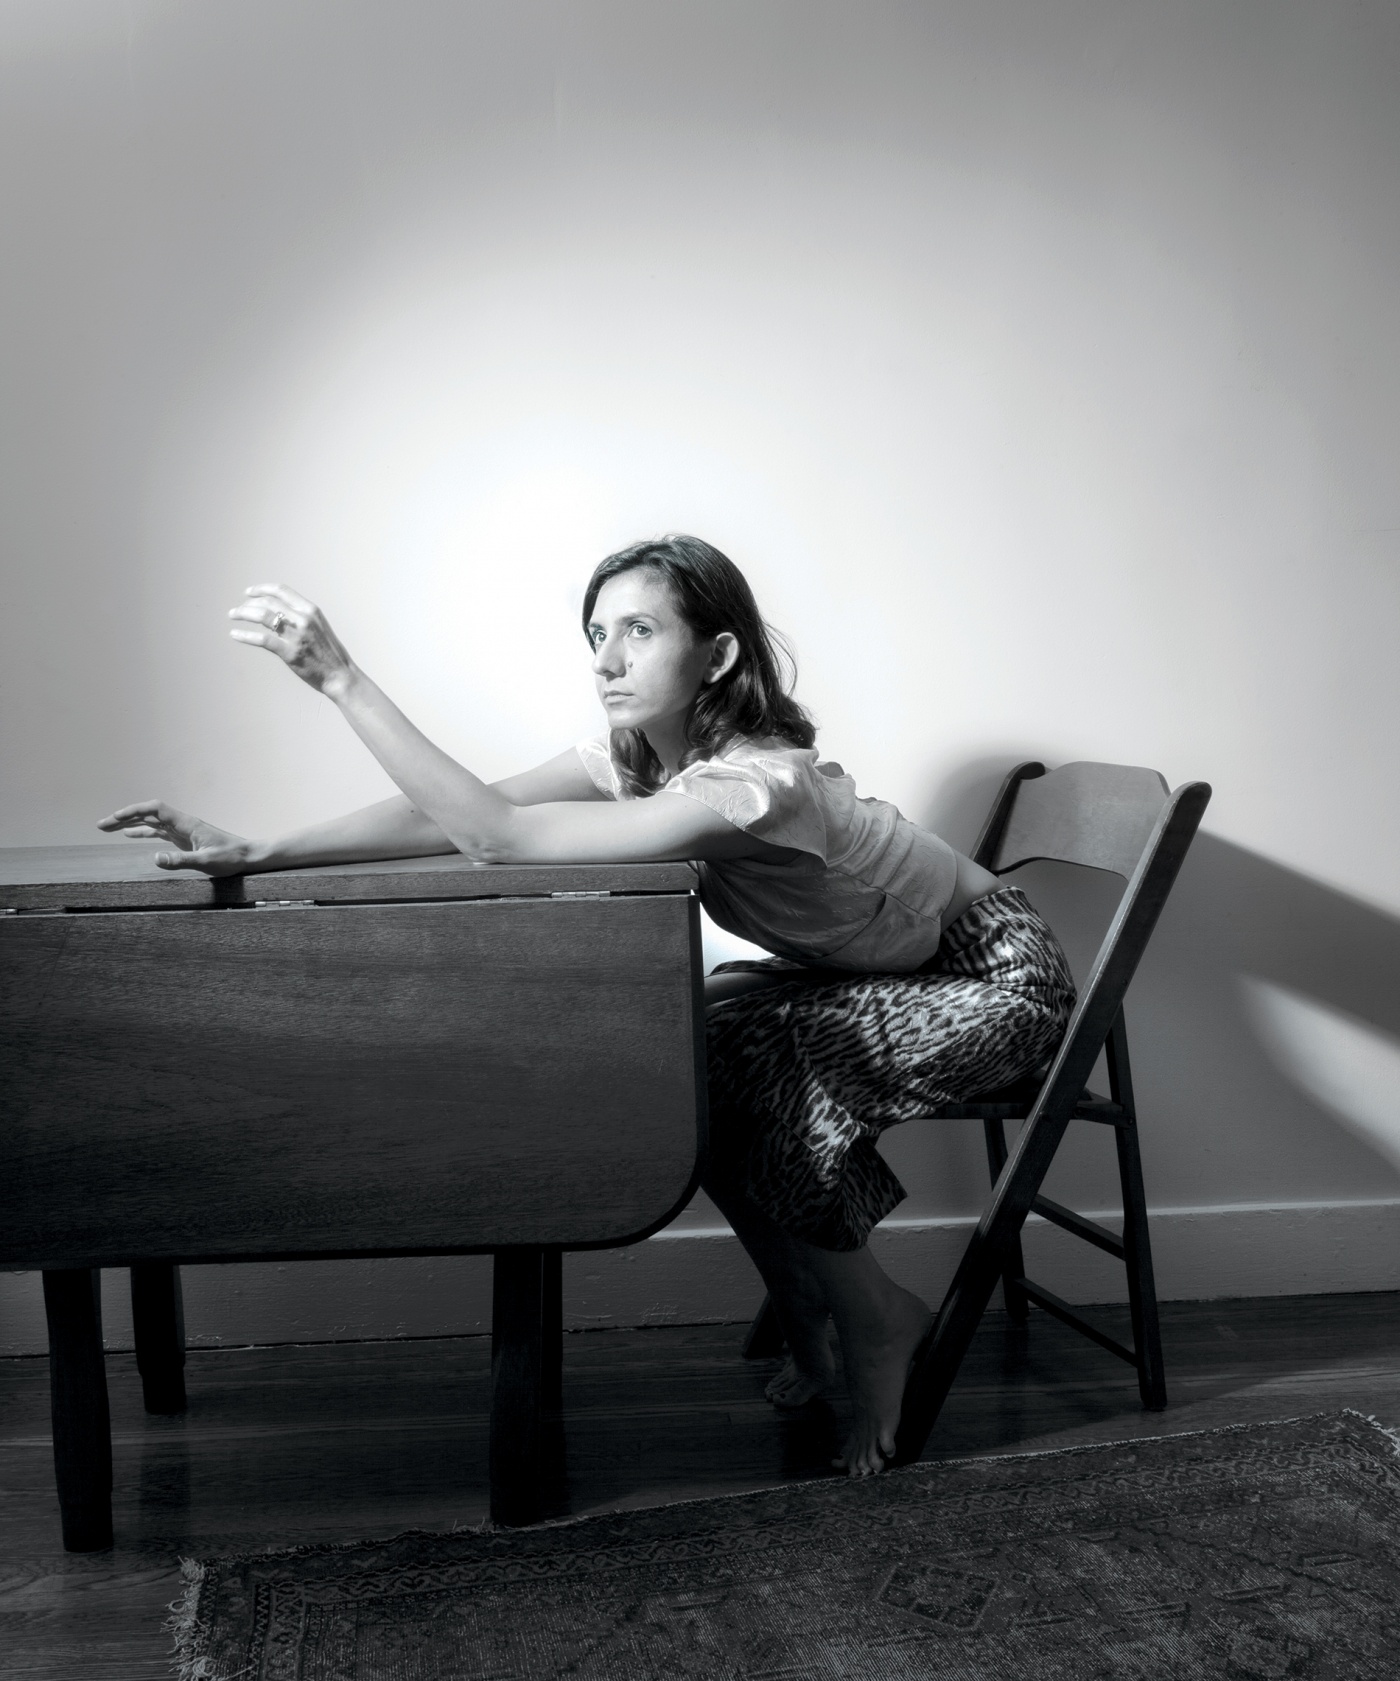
[[158, 1319], [517, 1299], [552, 1332], [82, 1431]]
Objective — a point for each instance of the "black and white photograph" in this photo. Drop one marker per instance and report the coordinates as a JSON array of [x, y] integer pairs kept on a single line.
[[699, 840]]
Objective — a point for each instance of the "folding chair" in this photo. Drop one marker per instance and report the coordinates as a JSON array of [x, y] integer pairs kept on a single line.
[[1122, 819]]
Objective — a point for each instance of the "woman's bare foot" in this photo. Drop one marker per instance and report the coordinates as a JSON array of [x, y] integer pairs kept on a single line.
[[800, 1382], [809, 1367], [876, 1348]]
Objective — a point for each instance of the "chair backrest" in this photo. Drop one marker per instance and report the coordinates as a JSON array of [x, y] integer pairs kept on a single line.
[[1108, 817], [1101, 816]]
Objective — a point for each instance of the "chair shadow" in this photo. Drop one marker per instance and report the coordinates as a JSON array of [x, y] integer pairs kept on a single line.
[[1259, 987]]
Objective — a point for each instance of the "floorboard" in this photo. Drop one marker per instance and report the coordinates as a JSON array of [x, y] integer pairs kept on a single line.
[[339, 1442]]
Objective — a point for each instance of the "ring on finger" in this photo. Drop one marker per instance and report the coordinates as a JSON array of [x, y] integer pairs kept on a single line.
[[279, 624]]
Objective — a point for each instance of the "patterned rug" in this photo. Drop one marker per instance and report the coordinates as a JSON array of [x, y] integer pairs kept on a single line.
[[1270, 1550]]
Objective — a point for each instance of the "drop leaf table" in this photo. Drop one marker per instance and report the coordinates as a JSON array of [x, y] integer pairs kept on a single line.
[[414, 1057]]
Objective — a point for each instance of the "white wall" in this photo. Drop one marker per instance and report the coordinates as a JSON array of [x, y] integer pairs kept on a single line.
[[1036, 358]]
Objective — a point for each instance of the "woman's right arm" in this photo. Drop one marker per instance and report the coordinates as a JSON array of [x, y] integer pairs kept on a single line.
[[396, 829], [393, 828]]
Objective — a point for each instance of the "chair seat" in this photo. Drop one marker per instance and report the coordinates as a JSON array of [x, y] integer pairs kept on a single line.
[[1014, 1102], [1006, 1103]]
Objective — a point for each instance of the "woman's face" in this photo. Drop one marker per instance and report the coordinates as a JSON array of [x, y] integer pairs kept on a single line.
[[647, 662]]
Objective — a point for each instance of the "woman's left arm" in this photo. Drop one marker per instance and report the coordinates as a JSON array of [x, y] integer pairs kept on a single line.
[[481, 821]]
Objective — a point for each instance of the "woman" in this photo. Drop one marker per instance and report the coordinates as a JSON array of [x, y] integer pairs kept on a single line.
[[904, 975]]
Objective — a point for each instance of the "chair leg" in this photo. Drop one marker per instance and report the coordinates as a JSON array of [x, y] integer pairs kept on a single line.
[[1137, 1248], [765, 1339], [552, 1331], [158, 1320], [1017, 1306], [1142, 1290], [517, 1300], [984, 1260], [82, 1430]]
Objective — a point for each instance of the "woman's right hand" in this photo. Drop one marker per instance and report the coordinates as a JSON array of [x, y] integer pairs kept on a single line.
[[200, 845]]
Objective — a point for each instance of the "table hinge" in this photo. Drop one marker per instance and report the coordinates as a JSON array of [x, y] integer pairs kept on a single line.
[[605, 894], [282, 904]]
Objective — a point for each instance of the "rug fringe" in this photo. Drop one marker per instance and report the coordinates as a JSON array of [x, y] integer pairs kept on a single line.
[[1385, 1429], [185, 1628]]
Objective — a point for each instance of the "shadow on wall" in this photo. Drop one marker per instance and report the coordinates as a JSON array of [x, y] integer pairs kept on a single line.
[[1265, 1025]]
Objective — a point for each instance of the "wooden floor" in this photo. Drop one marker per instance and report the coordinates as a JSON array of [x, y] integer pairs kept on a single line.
[[337, 1442]]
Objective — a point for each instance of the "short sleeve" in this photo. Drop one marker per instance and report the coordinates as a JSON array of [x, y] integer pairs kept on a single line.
[[773, 796], [597, 761]]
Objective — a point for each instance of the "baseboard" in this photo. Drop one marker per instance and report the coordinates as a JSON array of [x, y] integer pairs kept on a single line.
[[697, 1275]]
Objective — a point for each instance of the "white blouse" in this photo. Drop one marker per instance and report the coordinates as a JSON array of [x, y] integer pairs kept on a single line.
[[868, 889]]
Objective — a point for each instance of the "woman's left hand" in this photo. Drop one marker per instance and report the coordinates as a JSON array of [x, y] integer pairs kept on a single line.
[[294, 629]]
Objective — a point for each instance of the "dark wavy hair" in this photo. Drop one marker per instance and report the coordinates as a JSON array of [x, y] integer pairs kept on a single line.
[[752, 698]]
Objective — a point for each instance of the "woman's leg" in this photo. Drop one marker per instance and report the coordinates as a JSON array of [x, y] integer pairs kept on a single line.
[[798, 1297], [796, 1294], [802, 1083], [880, 1325]]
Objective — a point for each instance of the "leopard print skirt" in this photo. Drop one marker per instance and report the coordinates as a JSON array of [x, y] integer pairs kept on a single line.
[[803, 1078]]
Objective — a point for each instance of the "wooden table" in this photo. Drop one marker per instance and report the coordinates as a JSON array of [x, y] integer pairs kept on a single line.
[[409, 1058]]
